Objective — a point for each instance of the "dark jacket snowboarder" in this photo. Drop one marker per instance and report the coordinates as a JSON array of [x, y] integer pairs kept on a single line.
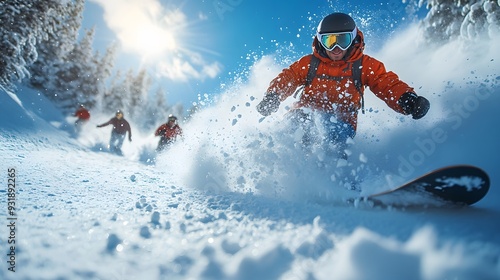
[[118, 133]]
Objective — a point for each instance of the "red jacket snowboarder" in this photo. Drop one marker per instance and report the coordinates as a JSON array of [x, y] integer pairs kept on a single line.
[[83, 115], [168, 133]]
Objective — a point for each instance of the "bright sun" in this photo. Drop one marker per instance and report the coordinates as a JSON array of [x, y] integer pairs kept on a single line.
[[151, 41], [144, 27]]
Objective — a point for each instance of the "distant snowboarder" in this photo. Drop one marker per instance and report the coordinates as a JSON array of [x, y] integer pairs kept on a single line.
[[333, 78], [118, 133], [83, 116], [168, 133]]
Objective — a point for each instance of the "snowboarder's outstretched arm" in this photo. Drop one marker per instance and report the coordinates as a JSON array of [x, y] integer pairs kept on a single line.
[[106, 123]]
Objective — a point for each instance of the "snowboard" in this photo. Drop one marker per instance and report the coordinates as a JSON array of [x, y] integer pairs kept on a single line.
[[457, 185]]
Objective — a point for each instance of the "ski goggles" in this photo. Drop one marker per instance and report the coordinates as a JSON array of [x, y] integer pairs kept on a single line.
[[343, 40]]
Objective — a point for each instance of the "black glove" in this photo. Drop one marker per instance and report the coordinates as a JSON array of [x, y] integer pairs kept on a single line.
[[269, 104], [414, 105]]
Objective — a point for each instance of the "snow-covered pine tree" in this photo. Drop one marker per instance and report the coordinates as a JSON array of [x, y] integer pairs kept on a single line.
[[115, 97], [481, 19], [138, 97], [76, 81], [104, 68], [56, 46], [450, 19], [157, 110], [23, 24]]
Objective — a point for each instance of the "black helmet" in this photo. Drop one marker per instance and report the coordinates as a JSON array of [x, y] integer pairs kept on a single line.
[[335, 23], [119, 112]]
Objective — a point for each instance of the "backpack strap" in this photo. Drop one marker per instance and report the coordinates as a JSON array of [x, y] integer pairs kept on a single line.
[[355, 72], [313, 67], [311, 73], [356, 76]]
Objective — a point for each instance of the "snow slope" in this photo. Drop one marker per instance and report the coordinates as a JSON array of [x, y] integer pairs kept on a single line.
[[236, 200]]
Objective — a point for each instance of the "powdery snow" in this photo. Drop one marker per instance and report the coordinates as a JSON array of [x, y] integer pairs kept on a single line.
[[236, 200], [470, 183]]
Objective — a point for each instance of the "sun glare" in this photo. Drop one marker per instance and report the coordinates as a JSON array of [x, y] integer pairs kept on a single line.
[[157, 35], [152, 41]]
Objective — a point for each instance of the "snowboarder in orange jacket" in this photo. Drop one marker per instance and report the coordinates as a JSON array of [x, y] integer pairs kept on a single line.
[[333, 78]]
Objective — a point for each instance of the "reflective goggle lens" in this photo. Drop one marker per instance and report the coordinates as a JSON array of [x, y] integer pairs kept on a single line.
[[330, 40]]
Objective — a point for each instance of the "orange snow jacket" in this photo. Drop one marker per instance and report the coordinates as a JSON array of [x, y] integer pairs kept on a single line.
[[332, 89]]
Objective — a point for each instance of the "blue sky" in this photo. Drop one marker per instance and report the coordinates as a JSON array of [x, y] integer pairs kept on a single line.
[[193, 47]]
